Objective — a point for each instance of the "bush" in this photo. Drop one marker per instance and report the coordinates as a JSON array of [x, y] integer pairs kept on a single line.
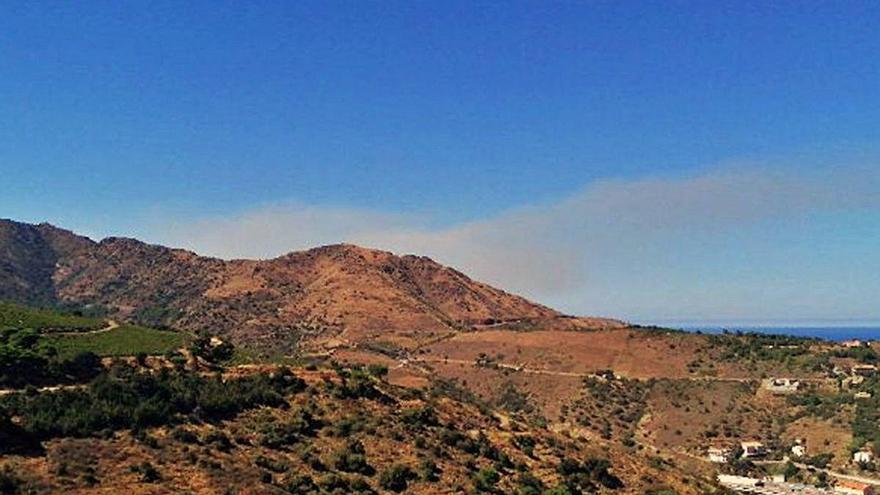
[[377, 370], [210, 352], [526, 444], [396, 478], [332, 482], [422, 416], [270, 464], [9, 482], [486, 479], [149, 474], [352, 459], [126, 399], [428, 470], [300, 484], [559, 490], [529, 485], [184, 435], [219, 439], [584, 475]]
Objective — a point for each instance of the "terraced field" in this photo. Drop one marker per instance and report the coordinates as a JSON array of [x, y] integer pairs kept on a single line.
[[45, 320], [126, 340]]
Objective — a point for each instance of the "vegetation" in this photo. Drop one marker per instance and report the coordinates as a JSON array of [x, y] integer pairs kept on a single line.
[[45, 320], [865, 355], [396, 478], [585, 476], [24, 362], [610, 407], [866, 421], [212, 351], [126, 399], [756, 347], [126, 340]]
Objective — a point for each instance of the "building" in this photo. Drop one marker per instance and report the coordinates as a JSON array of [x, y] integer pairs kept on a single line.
[[719, 455], [846, 487], [862, 395], [799, 450], [864, 369], [853, 343], [753, 449], [781, 385], [863, 456], [852, 381]]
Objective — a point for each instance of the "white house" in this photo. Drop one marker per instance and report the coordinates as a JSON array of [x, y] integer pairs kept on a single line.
[[781, 385], [799, 451], [853, 343], [719, 455], [862, 395], [863, 456], [753, 449]]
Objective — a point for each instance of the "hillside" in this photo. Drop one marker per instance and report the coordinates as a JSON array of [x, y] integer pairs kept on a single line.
[[332, 295], [303, 432], [183, 419], [416, 336]]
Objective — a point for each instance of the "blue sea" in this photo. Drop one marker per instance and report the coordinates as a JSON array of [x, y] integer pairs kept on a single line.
[[866, 331]]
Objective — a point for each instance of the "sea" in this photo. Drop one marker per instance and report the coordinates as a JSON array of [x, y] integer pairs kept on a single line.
[[836, 332]]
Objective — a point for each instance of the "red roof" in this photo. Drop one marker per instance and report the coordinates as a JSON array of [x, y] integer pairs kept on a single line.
[[854, 485]]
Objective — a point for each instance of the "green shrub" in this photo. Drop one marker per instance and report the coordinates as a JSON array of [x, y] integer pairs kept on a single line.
[[396, 478], [528, 484], [352, 458], [422, 416], [428, 470], [486, 479], [126, 399], [300, 484], [10, 484]]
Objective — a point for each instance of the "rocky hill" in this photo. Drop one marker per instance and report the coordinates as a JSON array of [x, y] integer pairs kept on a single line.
[[323, 296]]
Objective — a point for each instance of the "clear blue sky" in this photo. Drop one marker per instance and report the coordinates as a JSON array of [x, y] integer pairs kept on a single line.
[[458, 111]]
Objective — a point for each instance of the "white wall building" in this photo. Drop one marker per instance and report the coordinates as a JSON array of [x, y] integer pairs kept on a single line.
[[753, 449]]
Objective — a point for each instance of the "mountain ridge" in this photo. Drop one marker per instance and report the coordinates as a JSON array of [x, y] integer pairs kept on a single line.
[[324, 296]]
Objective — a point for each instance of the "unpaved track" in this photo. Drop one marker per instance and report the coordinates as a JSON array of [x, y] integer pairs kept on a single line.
[[53, 388], [111, 325], [572, 374]]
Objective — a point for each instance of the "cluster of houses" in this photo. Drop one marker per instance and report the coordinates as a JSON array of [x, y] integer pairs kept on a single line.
[[781, 386], [855, 376], [776, 485], [723, 455], [856, 371], [754, 449]]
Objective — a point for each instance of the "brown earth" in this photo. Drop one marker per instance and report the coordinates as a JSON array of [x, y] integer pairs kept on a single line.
[[244, 462]]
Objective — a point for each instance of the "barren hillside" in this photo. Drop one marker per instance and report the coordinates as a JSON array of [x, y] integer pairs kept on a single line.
[[333, 294]]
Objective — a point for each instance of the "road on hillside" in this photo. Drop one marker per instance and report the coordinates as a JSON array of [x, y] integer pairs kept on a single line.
[[571, 374], [111, 325], [850, 477], [53, 388]]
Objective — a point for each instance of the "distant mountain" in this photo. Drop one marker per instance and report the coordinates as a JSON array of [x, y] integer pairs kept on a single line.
[[323, 296]]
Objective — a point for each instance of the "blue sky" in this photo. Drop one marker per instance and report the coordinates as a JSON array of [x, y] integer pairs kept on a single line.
[[423, 126]]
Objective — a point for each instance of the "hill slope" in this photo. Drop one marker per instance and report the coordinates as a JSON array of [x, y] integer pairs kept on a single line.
[[339, 293]]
